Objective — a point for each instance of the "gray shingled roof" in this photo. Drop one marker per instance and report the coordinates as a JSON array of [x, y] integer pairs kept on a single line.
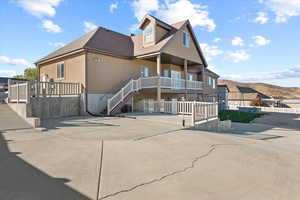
[[116, 44]]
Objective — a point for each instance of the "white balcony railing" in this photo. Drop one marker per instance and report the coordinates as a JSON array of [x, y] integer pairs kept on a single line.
[[150, 82], [170, 83]]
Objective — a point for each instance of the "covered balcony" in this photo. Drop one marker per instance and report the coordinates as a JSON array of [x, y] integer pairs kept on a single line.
[[169, 83]]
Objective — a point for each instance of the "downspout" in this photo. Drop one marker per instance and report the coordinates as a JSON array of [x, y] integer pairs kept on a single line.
[[86, 93]]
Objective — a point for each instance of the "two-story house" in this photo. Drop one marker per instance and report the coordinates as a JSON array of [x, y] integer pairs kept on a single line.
[[165, 60]]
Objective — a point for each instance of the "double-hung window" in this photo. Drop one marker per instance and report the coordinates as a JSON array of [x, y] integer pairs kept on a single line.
[[186, 39], [148, 34], [61, 70], [214, 83]]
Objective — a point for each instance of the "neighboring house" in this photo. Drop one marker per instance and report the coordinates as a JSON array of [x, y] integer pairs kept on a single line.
[[104, 61], [4, 82], [244, 96], [223, 93]]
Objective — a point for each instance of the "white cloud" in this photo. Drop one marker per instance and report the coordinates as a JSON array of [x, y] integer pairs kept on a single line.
[[50, 27], [89, 26], [216, 40], [113, 6], [262, 76], [13, 61], [39, 8], [237, 56], [210, 51], [261, 18], [175, 11], [7, 73], [237, 41], [260, 40], [283, 9], [142, 7], [56, 44], [133, 28]]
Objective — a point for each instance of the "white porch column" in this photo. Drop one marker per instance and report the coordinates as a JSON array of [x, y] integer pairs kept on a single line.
[[185, 77], [158, 60]]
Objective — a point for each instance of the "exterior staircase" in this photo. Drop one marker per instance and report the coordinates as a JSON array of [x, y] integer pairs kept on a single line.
[[116, 102]]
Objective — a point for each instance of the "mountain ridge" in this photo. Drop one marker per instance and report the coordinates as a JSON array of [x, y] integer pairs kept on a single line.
[[264, 88]]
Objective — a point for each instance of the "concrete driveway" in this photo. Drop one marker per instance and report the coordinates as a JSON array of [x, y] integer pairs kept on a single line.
[[145, 158], [285, 120]]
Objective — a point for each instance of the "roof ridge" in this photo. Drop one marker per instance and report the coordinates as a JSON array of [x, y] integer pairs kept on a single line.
[[85, 44]]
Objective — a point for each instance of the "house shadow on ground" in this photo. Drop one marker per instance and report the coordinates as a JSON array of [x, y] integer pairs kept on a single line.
[[78, 121], [19, 180]]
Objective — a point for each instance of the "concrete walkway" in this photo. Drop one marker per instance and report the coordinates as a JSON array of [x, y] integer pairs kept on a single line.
[[9, 120]]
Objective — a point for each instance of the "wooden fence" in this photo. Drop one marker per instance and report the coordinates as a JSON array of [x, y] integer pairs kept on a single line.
[[21, 92]]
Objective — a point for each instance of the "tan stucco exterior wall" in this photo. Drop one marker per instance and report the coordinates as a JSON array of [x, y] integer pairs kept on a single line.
[[107, 74], [176, 48], [74, 69]]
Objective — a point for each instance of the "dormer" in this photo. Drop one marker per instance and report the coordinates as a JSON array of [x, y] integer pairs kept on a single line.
[[153, 30]]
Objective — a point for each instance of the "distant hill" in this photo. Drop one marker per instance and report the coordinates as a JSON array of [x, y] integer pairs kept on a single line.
[[267, 89]]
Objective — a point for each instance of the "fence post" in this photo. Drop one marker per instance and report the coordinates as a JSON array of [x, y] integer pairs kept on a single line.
[[217, 110], [9, 90], [174, 106], [27, 92], [18, 92], [193, 113]]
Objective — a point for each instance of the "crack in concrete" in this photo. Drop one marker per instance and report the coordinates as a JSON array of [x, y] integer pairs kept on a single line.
[[191, 166]]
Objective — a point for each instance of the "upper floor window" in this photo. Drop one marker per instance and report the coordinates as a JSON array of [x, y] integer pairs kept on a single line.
[[186, 39], [214, 83], [166, 73], [61, 70], [145, 72], [190, 77], [148, 34]]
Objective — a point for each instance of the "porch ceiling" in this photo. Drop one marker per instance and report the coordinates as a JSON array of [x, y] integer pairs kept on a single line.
[[170, 59]]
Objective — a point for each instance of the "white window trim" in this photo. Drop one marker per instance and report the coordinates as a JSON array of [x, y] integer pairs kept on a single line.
[[60, 78], [183, 36], [153, 35]]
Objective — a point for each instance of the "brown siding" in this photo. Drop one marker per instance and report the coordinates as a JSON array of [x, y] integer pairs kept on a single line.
[[74, 69], [176, 48], [159, 33], [107, 74], [207, 88]]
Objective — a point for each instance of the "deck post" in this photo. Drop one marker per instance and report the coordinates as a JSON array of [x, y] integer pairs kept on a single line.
[[9, 90], [158, 67], [185, 78]]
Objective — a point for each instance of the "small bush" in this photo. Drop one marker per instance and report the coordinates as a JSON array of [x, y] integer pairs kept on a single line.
[[237, 116]]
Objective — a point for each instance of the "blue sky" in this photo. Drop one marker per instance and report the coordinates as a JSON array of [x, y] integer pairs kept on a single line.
[[248, 40]]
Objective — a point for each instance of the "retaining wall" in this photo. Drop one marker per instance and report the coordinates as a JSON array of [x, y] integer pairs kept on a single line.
[[54, 107]]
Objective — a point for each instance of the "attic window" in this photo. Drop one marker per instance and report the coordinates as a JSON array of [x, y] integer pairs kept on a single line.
[[186, 39], [148, 34]]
